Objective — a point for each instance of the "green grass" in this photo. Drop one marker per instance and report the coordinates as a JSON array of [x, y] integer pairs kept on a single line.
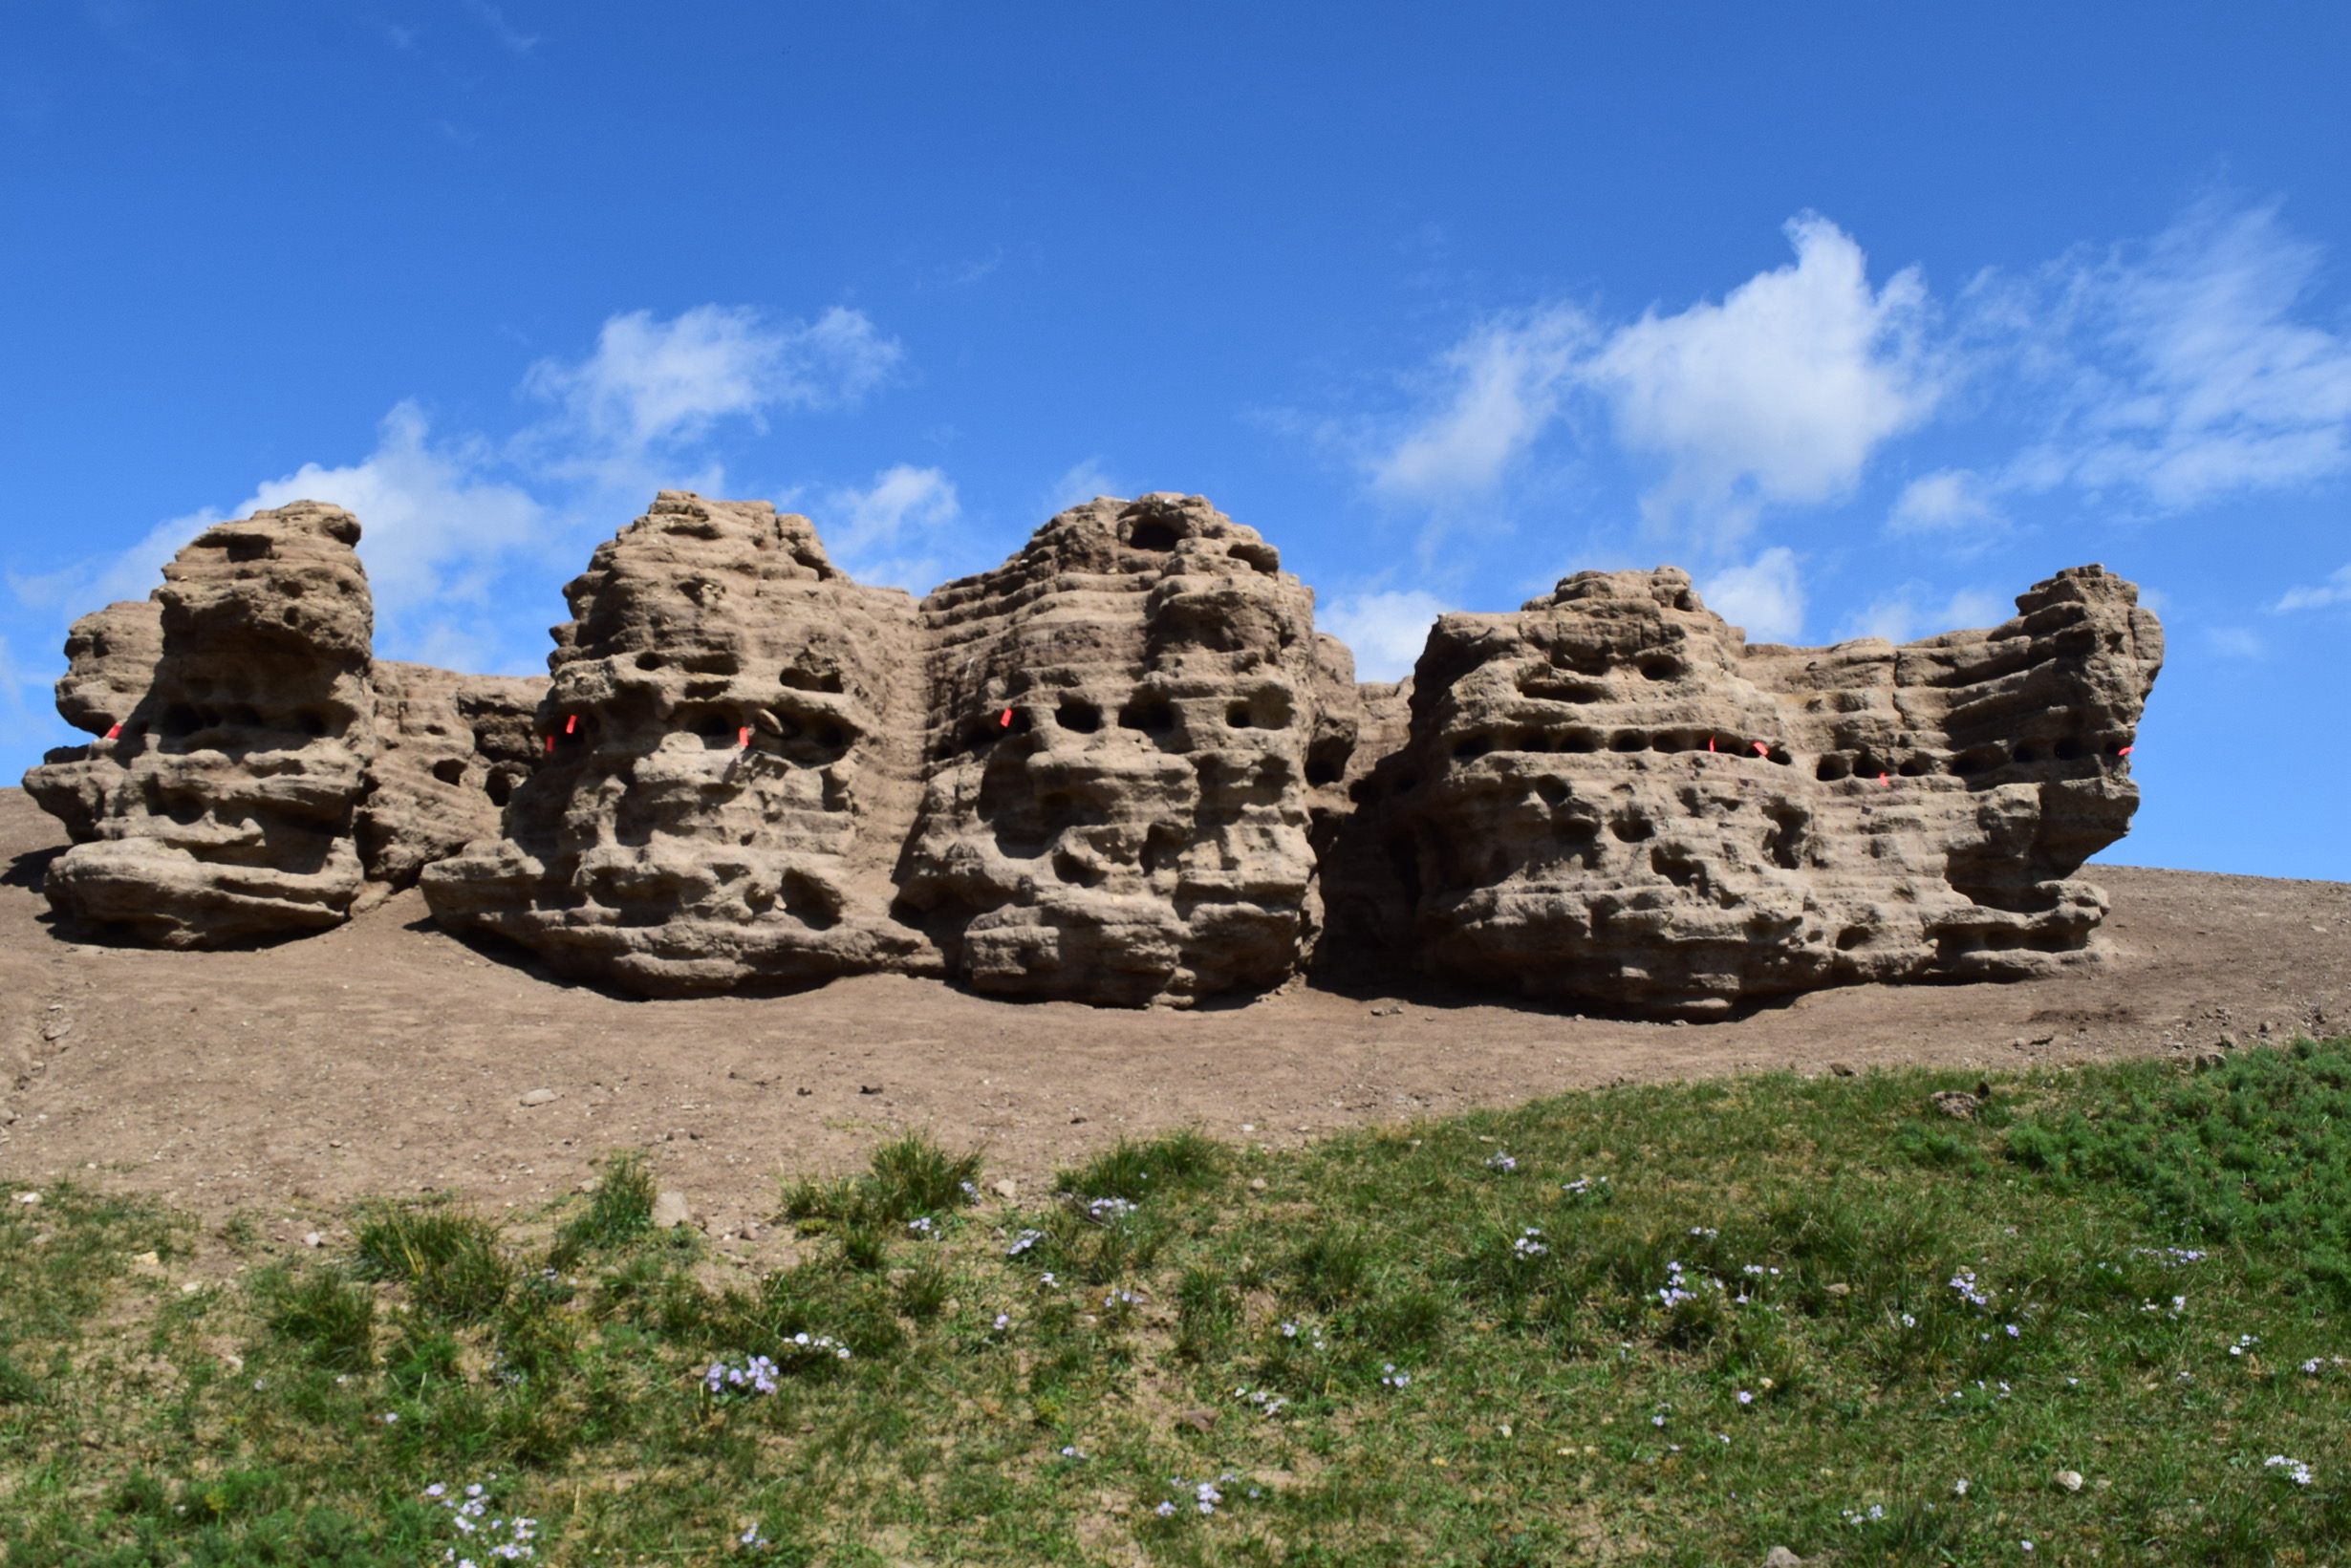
[[1399, 1345]]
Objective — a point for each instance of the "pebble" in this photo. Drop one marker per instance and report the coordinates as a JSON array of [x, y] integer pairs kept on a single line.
[[1006, 1187], [1780, 1556], [670, 1210], [539, 1097]]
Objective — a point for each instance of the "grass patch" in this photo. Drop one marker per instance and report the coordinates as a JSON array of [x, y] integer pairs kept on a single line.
[[1671, 1323]]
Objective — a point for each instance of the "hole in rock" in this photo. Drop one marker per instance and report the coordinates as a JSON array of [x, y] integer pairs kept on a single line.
[[248, 549], [1237, 717], [1833, 766], [1153, 716], [243, 716], [1551, 790], [649, 661], [813, 680], [1475, 745], [1326, 763], [1660, 669], [290, 616], [449, 771], [1629, 741], [1157, 537], [1081, 718], [2026, 754], [1670, 742], [500, 789], [718, 729], [1263, 558], [2068, 750], [1851, 937], [177, 719], [1579, 741], [1915, 766], [1632, 829]]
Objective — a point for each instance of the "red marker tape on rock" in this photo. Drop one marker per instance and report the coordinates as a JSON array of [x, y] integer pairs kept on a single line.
[[2127, 751], [570, 724], [1761, 750], [116, 734], [1007, 721], [1710, 743], [742, 737], [550, 743], [1886, 782]]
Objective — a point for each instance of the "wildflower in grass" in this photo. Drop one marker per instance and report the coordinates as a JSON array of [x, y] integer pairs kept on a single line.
[[1502, 1162], [1003, 1321], [2244, 1342], [1909, 1321], [1207, 1496], [922, 1226], [1046, 1281], [2310, 1367], [1022, 1243], [1529, 1244], [2027, 1545], [1746, 1397], [1109, 1211], [2011, 1331], [1166, 1510], [1962, 1488], [2295, 1470], [1393, 1378], [1705, 1233], [1964, 1282], [1073, 1452], [1119, 1300], [1586, 1186], [753, 1540], [1656, 1421]]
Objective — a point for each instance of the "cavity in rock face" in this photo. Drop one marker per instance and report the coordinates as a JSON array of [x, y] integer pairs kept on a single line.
[[1610, 797], [726, 766], [222, 810], [1132, 726]]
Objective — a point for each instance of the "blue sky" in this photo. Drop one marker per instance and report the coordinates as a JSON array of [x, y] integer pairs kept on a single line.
[[1869, 315]]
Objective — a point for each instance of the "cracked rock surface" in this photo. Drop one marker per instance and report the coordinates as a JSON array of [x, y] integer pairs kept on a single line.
[[1611, 796]]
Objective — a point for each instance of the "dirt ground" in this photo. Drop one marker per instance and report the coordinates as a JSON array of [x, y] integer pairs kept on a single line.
[[388, 1056]]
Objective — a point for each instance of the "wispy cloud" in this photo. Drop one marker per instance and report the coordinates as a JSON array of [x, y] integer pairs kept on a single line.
[[495, 21], [891, 531], [1765, 595], [1950, 501], [1909, 611], [1078, 484], [1386, 630], [2177, 372], [2336, 589], [1503, 386]]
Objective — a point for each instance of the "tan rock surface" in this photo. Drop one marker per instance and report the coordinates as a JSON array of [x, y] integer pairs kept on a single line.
[[1132, 723], [451, 749], [221, 812], [730, 766], [1610, 796]]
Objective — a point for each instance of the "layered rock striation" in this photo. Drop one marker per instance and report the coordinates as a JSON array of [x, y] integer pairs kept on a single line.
[[728, 767], [1133, 725], [1611, 797]]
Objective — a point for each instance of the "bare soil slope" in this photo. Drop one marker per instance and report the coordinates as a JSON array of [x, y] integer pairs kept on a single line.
[[385, 1056]]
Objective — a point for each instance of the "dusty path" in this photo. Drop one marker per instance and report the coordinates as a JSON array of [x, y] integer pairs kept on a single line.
[[388, 1056]]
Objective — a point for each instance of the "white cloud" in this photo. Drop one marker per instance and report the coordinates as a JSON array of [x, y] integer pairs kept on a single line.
[[893, 527], [1386, 630], [655, 384], [2336, 589], [1776, 396], [1765, 596], [1506, 380], [447, 521], [1947, 501], [1781, 393], [2181, 374], [1080, 484], [1899, 617]]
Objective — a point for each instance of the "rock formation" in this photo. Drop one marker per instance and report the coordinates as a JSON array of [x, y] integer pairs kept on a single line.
[[1132, 722], [257, 773], [1610, 797], [1121, 768], [729, 767], [221, 808]]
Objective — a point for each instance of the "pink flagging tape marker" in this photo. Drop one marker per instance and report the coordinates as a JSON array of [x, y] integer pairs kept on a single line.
[[1007, 721], [1710, 743], [1886, 782], [570, 724], [742, 737], [116, 734], [550, 743], [1761, 750], [2127, 751]]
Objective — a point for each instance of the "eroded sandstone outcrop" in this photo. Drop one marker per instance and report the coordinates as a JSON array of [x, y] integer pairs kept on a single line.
[[450, 750], [1132, 723], [219, 807], [729, 763], [1610, 796]]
